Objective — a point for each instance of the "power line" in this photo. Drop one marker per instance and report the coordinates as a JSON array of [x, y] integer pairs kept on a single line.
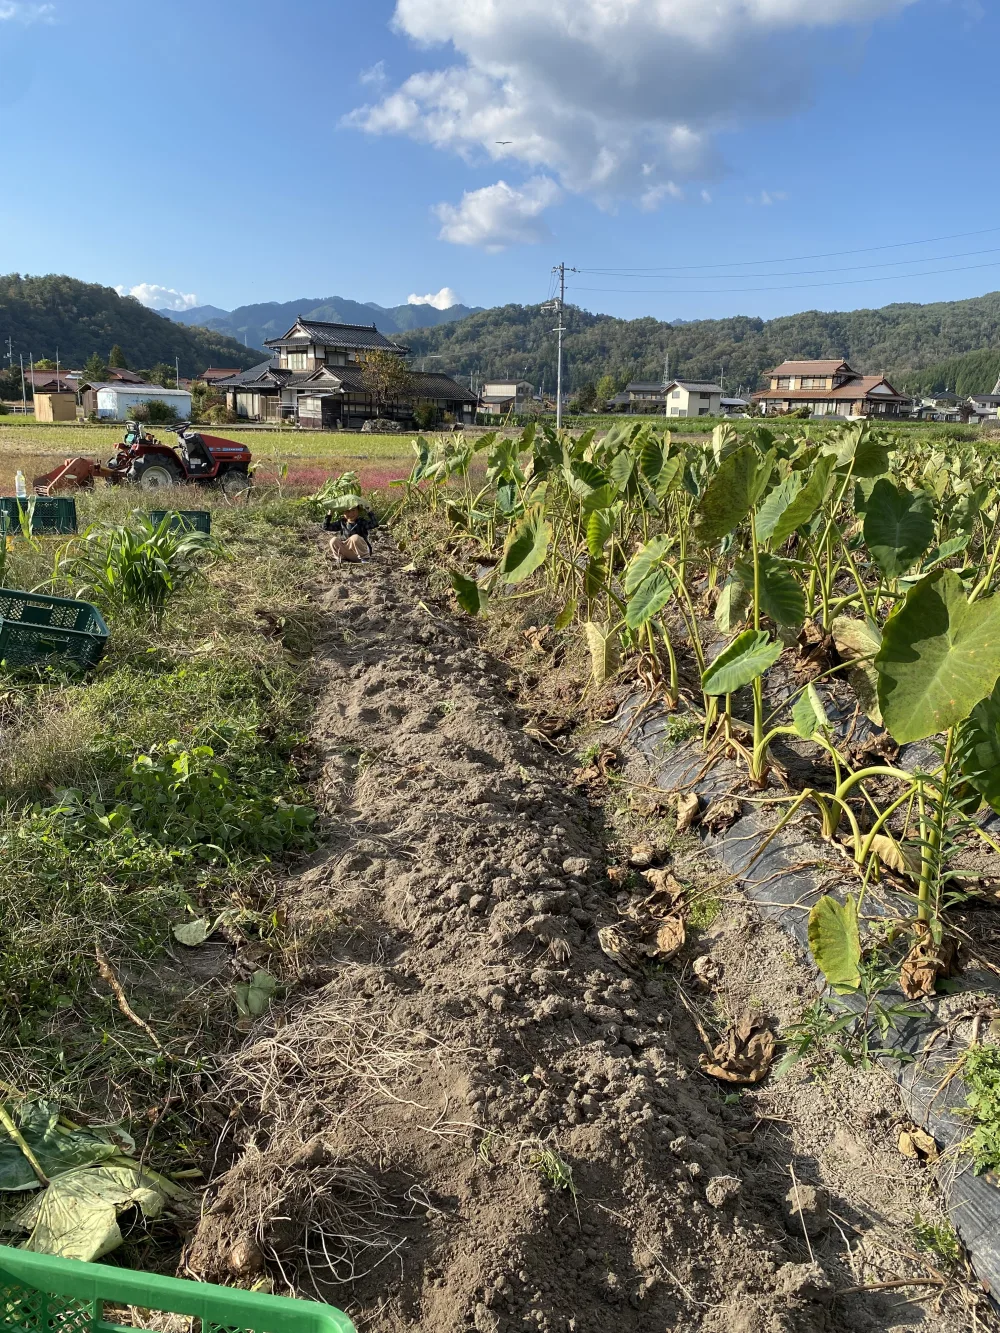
[[789, 287], [795, 259], [808, 272]]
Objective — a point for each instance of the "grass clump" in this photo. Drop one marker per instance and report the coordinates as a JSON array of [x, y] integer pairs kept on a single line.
[[937, 1239], [138, 564]]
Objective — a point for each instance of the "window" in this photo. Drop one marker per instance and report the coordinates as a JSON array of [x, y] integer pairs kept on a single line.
[[813, 382], [676, 393], [783, 382], [297, 360], [703, 411], [674, 411]]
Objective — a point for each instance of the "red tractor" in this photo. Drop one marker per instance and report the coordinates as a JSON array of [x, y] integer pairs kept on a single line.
[[143, 461]]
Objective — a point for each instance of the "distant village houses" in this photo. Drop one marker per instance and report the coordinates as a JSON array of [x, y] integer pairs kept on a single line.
[[315, 379], [676, 398]]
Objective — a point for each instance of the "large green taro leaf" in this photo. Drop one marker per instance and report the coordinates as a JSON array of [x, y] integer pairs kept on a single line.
[[835, 942], [899, 526], [781, 597], [747, 657], [729, 495], [979, 748], [526, 548], [940, 656]]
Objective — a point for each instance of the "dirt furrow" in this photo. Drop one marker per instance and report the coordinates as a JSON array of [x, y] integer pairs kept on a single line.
[[467, 1116]]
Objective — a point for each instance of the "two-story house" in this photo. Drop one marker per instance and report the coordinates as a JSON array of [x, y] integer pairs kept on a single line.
[[830, 388], [315, 379], [676, 398], [499, 397]]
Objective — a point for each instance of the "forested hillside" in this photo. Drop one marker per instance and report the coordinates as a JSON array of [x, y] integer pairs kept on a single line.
[[518, 340], [975, 372], [270, 319], [43, 315]]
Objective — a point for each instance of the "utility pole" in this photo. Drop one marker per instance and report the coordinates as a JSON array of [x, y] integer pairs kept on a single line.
[[722, 380], [558, 305], [666, 381], [24, 392], [10, 353], [177, 372], [58, 386]]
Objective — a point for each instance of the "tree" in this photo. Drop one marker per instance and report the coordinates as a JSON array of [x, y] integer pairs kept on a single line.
[[94, 370], [386, 378], [45, 363], [586, 397], [607, 387], [116, 359], [163, 375]]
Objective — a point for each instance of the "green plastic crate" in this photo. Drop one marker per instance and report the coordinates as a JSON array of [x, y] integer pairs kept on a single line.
[[34, 628], [195, 520], [43, 1294], [51, 515]]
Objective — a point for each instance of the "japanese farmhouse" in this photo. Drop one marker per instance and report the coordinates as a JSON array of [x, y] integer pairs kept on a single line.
[[830, 388], [315, 379]]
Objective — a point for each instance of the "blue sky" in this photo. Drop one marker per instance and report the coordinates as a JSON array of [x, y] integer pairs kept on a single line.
[[230, 153]]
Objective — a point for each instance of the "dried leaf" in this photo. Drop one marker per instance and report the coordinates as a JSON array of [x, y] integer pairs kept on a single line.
[[745, 1053], [904, 860], [617, 945], [707, 971], [721, 814], [670, 938], [687, 811], [668, 891], [917, 1144], [922, 966], [617, 874]]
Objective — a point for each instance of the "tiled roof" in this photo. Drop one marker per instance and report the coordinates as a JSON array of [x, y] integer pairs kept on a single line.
[[809, 368], [350, 378], [697, 386], [859, 387], [337, 335]]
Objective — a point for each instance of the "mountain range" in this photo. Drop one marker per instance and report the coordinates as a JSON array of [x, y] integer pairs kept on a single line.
[[253, 324]]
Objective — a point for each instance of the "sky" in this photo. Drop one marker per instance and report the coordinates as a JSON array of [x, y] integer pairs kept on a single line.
[[692, 158]]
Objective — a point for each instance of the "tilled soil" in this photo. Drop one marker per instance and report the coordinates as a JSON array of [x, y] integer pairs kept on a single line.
[[466, 1116]]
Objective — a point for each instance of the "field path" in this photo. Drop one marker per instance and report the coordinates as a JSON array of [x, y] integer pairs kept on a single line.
[[467, 1113]]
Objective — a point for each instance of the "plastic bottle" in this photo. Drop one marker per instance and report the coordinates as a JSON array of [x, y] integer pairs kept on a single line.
[[20, 485]]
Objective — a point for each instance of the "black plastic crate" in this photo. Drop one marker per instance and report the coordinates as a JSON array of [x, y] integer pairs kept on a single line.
[[193, 520], [51, 515], [35, 628]]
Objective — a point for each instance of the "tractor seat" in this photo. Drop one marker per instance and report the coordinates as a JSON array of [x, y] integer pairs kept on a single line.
[[196, 451]]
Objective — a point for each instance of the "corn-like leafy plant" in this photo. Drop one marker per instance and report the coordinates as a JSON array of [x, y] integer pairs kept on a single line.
[[138, 564]]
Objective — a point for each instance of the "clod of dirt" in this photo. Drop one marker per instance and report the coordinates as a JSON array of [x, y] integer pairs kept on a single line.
[[720, 1190], [805, 1282], [806, 1208], [721, 814], [924, 964], [646, 804], [917, 1144], [687, 811], [745, 1053]]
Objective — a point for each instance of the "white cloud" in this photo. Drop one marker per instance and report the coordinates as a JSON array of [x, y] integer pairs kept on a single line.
[[706, 197], [159, 298], [442, 300], [767, 197], [17, 12], [612, 98], [499, 215], [376, 76]]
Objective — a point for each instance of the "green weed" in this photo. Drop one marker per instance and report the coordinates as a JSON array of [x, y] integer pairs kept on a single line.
[[981, 1072], [137, 564], [937, 1239]]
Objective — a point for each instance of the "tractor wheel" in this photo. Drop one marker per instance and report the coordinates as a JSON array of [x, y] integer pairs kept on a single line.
[[153, 473], [235, 483]]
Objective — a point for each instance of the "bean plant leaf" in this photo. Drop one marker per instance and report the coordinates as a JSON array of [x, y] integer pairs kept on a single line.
[[781, 597], [729, 495], [733, 604], [603, 651], [599, 529], [835, 942], [802, 507], [192, 933], [940, 656], [645, 560], [978, 748], [808, 714], [253, 997], [652, 596], [747, 657], [469, 595], [899, 526], [526, 548]]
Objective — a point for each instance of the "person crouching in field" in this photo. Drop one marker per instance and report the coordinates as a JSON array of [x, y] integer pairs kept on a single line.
[[350, 527]]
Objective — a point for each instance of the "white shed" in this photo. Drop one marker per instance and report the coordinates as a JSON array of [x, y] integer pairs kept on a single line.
[[117, 402]]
